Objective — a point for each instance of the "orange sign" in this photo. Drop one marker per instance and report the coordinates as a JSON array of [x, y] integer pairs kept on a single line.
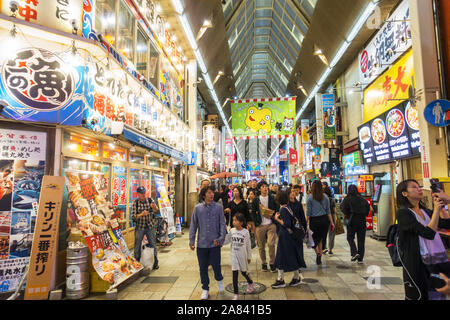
[[391, 87], [367, 177], [43, 251]]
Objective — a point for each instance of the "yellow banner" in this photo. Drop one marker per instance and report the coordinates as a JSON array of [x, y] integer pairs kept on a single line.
[[392, 84]]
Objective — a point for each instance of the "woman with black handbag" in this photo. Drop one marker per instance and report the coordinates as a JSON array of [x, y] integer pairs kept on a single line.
[[289, 256]]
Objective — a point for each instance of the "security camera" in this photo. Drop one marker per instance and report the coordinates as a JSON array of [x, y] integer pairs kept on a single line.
[[13, 6], [75, 26]]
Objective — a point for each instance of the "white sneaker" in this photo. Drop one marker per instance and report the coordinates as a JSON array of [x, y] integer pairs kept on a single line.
[[221, 286], [205, 295], [236, 297]]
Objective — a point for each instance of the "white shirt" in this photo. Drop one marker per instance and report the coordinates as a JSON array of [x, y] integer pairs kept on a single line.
[[265, 202], [241, 250]]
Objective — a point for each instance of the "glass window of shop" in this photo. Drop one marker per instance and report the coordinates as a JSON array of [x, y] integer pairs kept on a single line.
[[78, 144], [153, 67], [111, 151], [154, 162], [142, 53], [105, 19], [126, 31], [136, 159]]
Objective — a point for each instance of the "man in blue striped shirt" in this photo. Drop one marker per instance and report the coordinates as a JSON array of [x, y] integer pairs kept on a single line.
[[209, 220]]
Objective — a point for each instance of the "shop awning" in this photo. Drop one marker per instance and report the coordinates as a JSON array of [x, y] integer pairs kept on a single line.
[[149, 143]]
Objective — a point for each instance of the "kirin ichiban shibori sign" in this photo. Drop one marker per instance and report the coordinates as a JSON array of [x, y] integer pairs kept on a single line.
[[270, 117]]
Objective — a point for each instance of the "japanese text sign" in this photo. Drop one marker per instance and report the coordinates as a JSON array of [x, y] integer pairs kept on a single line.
[[392, 86], [45, 239]]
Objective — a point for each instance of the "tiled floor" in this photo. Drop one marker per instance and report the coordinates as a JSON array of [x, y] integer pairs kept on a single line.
[[337, 279]]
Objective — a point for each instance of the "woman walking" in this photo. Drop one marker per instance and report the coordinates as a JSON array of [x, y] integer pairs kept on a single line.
[[238, 204], [355, 209], [241, 253], [331, 233], [289, 256], [422, 252], [318, 216]]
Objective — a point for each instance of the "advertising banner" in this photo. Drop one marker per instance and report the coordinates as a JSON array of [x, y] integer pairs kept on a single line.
[[307, 157], [393, 84], [391, 136], [319, 120], [329, 117], [22, 166], [53, 14], [41, 86], [229, 154], [293, 156], [43, 250], [304, 133], [164, 203], [389, 43], [92, 214], [263, 117]]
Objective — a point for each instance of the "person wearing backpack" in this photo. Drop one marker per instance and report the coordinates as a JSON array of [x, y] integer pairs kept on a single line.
[[422, 253], [142, 213], [355, 209], [289, 256]]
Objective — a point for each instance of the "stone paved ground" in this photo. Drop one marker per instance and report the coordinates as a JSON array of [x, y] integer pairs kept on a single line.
[[337, 278]]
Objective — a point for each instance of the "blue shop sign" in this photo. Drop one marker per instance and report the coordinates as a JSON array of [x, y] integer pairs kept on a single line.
[[191, 158], [437, 113], [152, 144]]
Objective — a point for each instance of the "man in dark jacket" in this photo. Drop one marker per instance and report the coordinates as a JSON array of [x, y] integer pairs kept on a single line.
[[266, 230]]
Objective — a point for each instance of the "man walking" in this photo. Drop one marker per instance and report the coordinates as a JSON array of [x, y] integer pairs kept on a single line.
[[208, 219], [204, 183], [142, 212], [266, 230]]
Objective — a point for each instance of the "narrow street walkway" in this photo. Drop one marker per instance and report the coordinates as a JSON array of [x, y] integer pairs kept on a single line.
[[338, 278]]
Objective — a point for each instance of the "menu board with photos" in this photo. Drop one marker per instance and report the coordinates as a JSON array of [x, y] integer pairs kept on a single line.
[[391, 136]]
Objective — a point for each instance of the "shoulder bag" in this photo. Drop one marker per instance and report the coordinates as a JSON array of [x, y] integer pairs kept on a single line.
[[297, 233]]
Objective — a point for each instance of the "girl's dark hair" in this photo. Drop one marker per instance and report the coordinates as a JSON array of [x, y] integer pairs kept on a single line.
[[241, 195], [282, 197], [288, 191], [251, 191], [317, 190], [204, 190], [402, 201], [240, 217], [353, 191]]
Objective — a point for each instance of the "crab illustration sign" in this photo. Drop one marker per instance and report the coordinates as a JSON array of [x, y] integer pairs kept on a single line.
[[263, 117]]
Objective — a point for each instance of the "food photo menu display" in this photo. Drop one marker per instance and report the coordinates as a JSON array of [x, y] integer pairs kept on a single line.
[[391, 136]]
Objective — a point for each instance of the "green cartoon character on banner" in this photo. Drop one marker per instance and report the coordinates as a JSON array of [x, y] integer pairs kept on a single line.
[[259, 119]]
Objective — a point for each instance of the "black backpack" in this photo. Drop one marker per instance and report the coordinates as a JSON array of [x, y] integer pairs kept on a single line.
[[393, 246]]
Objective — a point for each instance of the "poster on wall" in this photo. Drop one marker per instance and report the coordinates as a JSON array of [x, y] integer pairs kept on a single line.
[[165, 208], [263, 117], [93, 216], [304, 130], [22, 167]]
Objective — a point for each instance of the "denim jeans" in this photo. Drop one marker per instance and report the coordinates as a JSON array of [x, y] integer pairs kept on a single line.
[[206, 257], [150, 233]]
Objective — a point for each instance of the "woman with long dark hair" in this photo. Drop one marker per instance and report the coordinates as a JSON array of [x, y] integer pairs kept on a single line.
[[422, 252], [238, 204], [289, 256], [355, 209], [318, 216]]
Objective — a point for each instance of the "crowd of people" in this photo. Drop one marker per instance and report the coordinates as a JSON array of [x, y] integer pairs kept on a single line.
[[239, 214], [270, 217]]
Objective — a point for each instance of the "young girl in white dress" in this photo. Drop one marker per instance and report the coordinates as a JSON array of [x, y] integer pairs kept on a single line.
[[241, 253]]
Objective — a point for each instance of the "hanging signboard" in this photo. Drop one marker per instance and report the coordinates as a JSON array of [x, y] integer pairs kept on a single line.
[[389, 43], [304, 133], [329, 117], [392, 86], [60, 15], [91, 213], [263, 117], [319, 120], [41, 86], [293, 156], [164, 203], [229, 154], [22, 166], [43, 251], [437, 113], [391, 136]]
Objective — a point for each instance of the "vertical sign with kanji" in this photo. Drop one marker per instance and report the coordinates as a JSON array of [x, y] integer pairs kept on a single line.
[[45, 239]]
